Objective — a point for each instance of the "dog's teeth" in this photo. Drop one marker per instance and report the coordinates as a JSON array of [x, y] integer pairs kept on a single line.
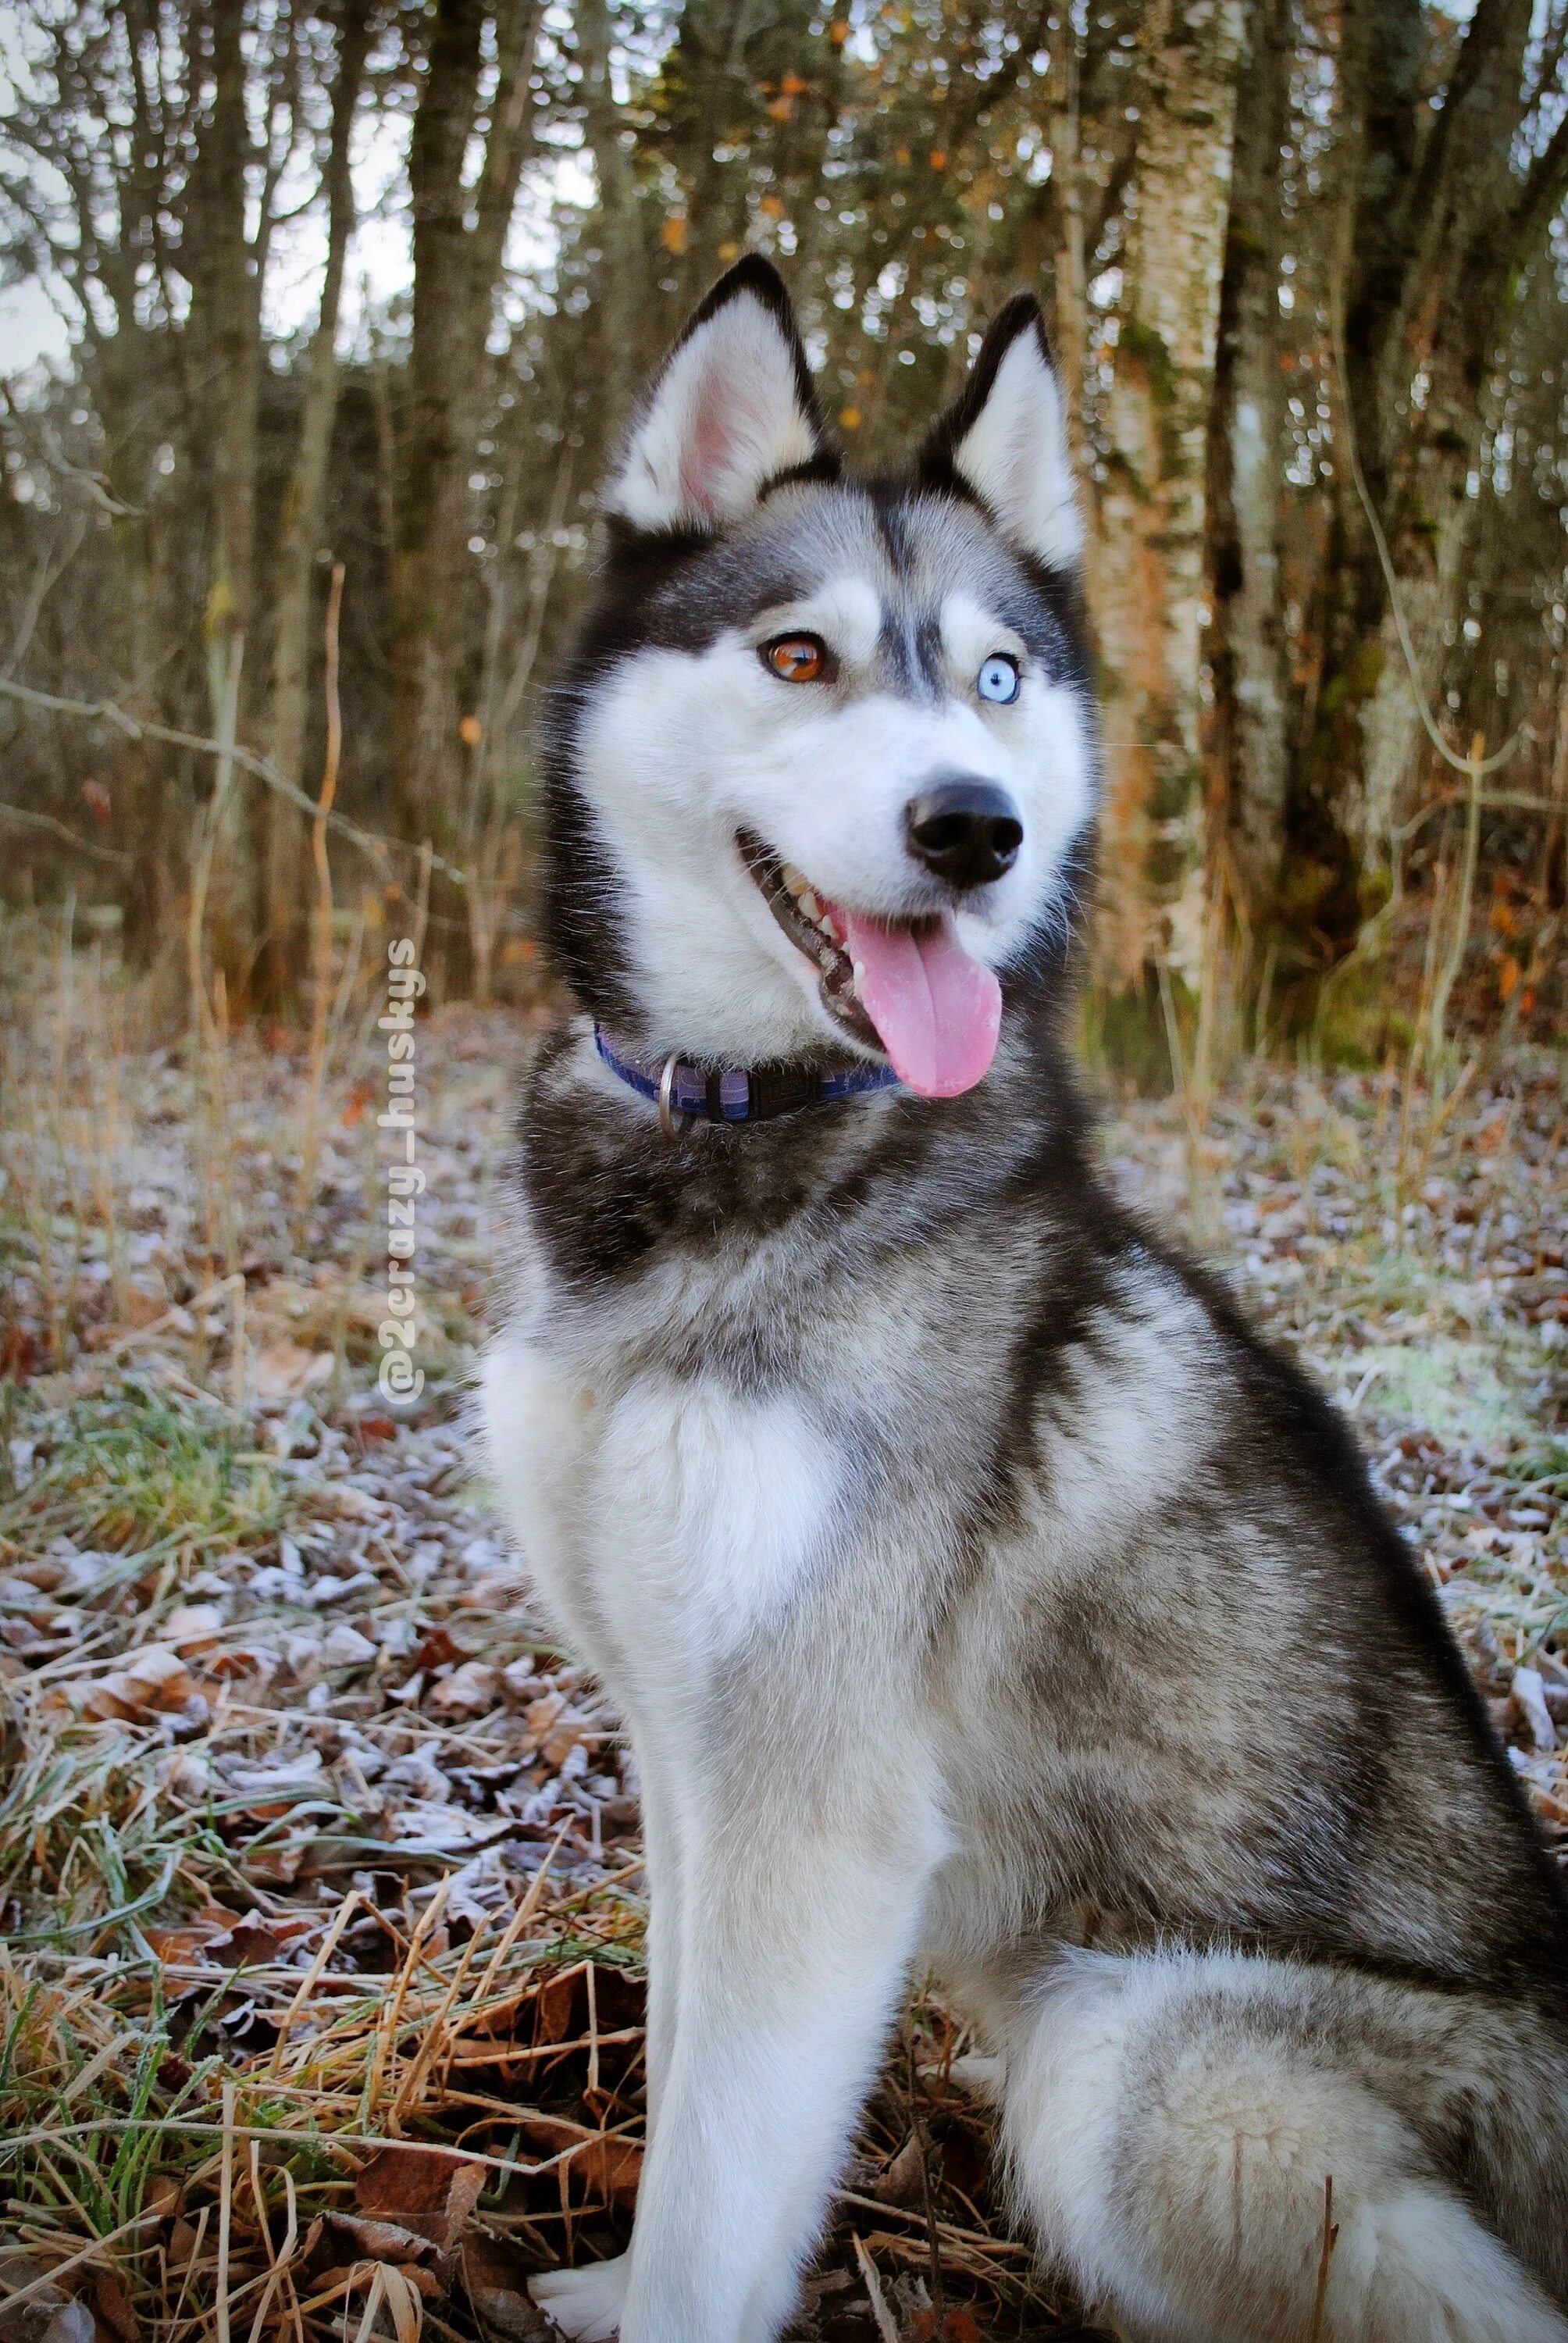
[[811, 906], [829, 926], [792, 878]]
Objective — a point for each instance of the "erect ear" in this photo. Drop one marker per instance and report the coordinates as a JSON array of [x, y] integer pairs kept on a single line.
[[1006, 438], [732, 409]]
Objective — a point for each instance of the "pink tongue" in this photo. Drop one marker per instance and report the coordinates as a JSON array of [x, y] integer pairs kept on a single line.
[[937, 1012]]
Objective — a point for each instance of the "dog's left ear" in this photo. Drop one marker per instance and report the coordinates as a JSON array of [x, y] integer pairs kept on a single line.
[[1005, 440], [732, 409]]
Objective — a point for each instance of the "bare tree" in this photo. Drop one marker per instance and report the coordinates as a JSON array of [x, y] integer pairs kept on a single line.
[[300, 535], [1444, 206], [1216, 196], [459, 238]]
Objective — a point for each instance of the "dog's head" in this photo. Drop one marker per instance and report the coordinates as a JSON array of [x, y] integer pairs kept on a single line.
[[822, 766]]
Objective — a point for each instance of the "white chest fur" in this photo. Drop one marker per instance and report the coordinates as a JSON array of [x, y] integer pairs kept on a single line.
[[658, 1514]]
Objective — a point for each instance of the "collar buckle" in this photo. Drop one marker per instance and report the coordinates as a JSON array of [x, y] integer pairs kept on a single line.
[[670, 1122]]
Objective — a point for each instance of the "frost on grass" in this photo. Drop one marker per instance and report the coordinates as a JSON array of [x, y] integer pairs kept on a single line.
[[321, 1993]]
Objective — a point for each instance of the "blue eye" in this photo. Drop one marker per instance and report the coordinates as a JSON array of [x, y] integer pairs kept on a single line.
[[998, 680]]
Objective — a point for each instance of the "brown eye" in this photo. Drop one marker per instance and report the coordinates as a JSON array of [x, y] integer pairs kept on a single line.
[[799, 658]]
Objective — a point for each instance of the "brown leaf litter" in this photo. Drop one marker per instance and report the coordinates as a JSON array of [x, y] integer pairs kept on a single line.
[[319, 1864]]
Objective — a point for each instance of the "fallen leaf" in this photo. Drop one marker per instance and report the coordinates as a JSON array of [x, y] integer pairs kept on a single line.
[[471, 1690], [192, 1627], [611, 2167], [420, 2189], [495, 2279], [48, 2318], [260, 1937], [521, 1680], [284, 1369], [445, 1829], [351, 1504], [438, 1651], [278, 1864], [49, 2315], [346, 1648], [553, 2008], [175, 1948], [145, 1305], [957, 2327], [163, 2197], [242, 1660], [381, 2241], [182, 2244], [555, 1728], [498, 1591], [903, 2182], [113, 2305], [153, 1679]]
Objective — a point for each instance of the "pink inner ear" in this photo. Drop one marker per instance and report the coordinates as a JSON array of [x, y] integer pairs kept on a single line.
[[706, 451]]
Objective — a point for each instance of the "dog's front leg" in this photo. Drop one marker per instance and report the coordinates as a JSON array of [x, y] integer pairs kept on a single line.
[[793, 1958]]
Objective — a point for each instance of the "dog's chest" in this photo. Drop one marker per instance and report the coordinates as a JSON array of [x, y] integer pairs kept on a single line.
[[655, 1508]]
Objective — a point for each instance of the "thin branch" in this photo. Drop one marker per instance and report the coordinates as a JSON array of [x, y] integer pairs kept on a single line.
[[47, 822], [104, 711]]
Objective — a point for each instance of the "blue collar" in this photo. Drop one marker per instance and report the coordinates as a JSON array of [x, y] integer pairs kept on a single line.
[[685, 1092]]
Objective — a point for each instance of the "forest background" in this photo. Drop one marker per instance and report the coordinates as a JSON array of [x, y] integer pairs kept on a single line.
[[322, 1916], [370, 290]]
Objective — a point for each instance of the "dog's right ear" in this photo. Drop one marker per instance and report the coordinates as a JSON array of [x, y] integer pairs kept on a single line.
[[732, 409]]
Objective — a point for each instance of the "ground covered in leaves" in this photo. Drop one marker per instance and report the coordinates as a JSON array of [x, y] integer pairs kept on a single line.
[[321, 1989]]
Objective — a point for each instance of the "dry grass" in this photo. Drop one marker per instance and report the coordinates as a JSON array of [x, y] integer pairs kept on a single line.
[[311, 1842]]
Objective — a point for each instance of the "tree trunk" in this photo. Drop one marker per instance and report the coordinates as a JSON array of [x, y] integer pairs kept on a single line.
[[427, 576], [455, 271], [619, 313], [1149, 562], [1071, 317], [1438, 223], [225, 336], [300, 534], [1246, 651]]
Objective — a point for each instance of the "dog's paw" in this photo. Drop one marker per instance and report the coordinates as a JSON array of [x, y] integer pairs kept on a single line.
[[586, 2303]]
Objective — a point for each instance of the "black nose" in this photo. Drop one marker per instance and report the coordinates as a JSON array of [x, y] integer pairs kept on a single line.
[[964, 829]]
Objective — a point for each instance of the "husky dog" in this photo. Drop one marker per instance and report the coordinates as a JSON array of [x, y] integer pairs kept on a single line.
[[980, 1593]]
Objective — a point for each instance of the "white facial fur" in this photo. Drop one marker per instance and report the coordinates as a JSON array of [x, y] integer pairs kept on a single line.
[[677, 749], [681, 750]]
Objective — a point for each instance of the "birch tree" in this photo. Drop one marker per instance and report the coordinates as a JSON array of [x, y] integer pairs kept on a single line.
[[1247, 637], [1149, 561]]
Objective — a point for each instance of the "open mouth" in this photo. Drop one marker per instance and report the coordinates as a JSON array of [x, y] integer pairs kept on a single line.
[[906, 987]]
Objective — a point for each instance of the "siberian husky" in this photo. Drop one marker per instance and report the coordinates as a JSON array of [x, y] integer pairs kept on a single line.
[[980, 1593]]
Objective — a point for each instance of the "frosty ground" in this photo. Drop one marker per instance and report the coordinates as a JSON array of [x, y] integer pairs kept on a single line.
[[319, 1877]]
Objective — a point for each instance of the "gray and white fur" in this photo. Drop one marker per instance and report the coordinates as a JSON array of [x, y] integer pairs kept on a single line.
[[981, 1595]]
